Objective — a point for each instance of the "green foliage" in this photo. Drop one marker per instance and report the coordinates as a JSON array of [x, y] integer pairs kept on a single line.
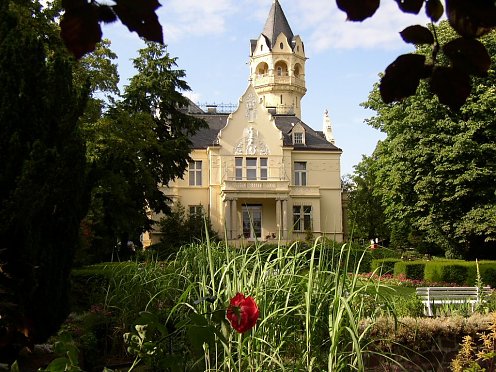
[[366, 217], [68, 359], [410, 269], [384, 265], [410, 306], [42, 175], [436, 168], [135, 145], [179, 228]]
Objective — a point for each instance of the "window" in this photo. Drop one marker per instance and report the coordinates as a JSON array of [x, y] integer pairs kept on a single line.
[[281, 45], [253, 169], [298, 138], [279, 71], [302, 217], [195, 173], [300, 173], [196, 210], [238, 164], [264, 169]]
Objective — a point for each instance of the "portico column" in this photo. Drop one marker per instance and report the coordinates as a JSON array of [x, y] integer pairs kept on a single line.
[[234, 218], [227, 217], [278, 218], [284, 218]]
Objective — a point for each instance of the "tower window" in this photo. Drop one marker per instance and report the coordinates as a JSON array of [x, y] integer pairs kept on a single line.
[[279, 71], [281, 45], [297, 48], [281, 99], [261, 47]]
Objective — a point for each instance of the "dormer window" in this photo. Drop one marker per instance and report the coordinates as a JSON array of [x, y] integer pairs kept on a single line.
[[298, 138]]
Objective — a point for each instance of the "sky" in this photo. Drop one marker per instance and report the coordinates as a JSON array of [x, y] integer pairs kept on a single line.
[[211, 41]]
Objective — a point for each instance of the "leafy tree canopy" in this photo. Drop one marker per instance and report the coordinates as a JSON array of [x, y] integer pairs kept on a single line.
[[436, 168]]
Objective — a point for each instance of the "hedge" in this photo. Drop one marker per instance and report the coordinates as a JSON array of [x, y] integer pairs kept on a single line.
[[410, 269], [384, 266]]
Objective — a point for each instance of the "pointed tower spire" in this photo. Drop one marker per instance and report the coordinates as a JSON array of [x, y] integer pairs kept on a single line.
[[277, 64], [275, 24], [329, 135]]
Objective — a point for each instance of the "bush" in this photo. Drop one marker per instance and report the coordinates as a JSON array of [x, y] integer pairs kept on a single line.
[[384, 266], [410, 269], [410, 306], [454, 274]]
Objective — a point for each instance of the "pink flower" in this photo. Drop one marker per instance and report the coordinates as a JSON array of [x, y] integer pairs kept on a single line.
[[242, 313]]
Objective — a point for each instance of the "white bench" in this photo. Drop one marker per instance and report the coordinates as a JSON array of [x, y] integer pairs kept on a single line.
[[432, 296]]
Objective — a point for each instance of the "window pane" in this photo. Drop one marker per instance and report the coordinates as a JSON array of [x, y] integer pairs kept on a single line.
[[299, 165], [263, 173], [239, 162], [263, 162], [239, 173], [296, 217], [251, 174], [251, 162]]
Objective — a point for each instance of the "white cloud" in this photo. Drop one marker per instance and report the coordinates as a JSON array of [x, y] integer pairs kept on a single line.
[[325, 26], [182, 18]]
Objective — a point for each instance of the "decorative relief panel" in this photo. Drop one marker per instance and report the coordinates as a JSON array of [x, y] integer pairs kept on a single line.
[[251, 112], [251, 144]]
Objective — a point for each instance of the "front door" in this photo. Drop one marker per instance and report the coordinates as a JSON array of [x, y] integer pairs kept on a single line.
[[252, 221]]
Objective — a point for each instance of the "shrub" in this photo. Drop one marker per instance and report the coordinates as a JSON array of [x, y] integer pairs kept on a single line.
[[384, 266], [410, 306], [410, 269], [454, 274]]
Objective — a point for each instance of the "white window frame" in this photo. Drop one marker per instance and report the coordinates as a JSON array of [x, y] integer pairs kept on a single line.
[[302, 217], [300, 175], [298, 138], [251, 168], [195, 173]]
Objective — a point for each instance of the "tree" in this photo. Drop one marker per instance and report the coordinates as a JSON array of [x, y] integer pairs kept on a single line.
[[141, 142], [437, 167], [450, 80], [180, 228], [365, 210], [42, 175]]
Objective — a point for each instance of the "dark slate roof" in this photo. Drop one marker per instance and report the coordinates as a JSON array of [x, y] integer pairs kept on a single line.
[[314, 140], [275, 24]]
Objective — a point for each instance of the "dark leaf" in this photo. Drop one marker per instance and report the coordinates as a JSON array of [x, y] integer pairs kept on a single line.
[[451, 86], [434, 9], [106, 14], [358, 10], [417, 35], [402, 77], [471, 18], [469, 55], [140, 16], [410, 6], [80, 30], [73, 4]]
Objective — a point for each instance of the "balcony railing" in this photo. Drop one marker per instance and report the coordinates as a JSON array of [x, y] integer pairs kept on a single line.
[[255, 185], [261, 80]]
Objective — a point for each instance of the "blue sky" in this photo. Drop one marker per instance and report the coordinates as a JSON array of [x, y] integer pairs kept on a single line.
[[211, 41]]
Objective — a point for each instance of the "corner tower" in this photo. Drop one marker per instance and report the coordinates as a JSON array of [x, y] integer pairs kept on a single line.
[[277, 64]]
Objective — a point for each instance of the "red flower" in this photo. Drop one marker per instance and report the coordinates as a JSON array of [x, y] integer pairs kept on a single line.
[[242, 312]]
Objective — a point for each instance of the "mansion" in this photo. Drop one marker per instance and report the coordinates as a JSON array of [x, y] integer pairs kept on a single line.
[[260, 172]]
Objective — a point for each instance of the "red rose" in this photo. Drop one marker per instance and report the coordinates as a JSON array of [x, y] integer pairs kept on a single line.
[[242, 312]]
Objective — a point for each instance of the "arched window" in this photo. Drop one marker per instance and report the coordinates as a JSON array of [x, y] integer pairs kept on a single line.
[[281, 68], [281, 45]]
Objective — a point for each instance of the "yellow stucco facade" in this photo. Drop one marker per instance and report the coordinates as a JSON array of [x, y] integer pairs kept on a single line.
[[260, 172]]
